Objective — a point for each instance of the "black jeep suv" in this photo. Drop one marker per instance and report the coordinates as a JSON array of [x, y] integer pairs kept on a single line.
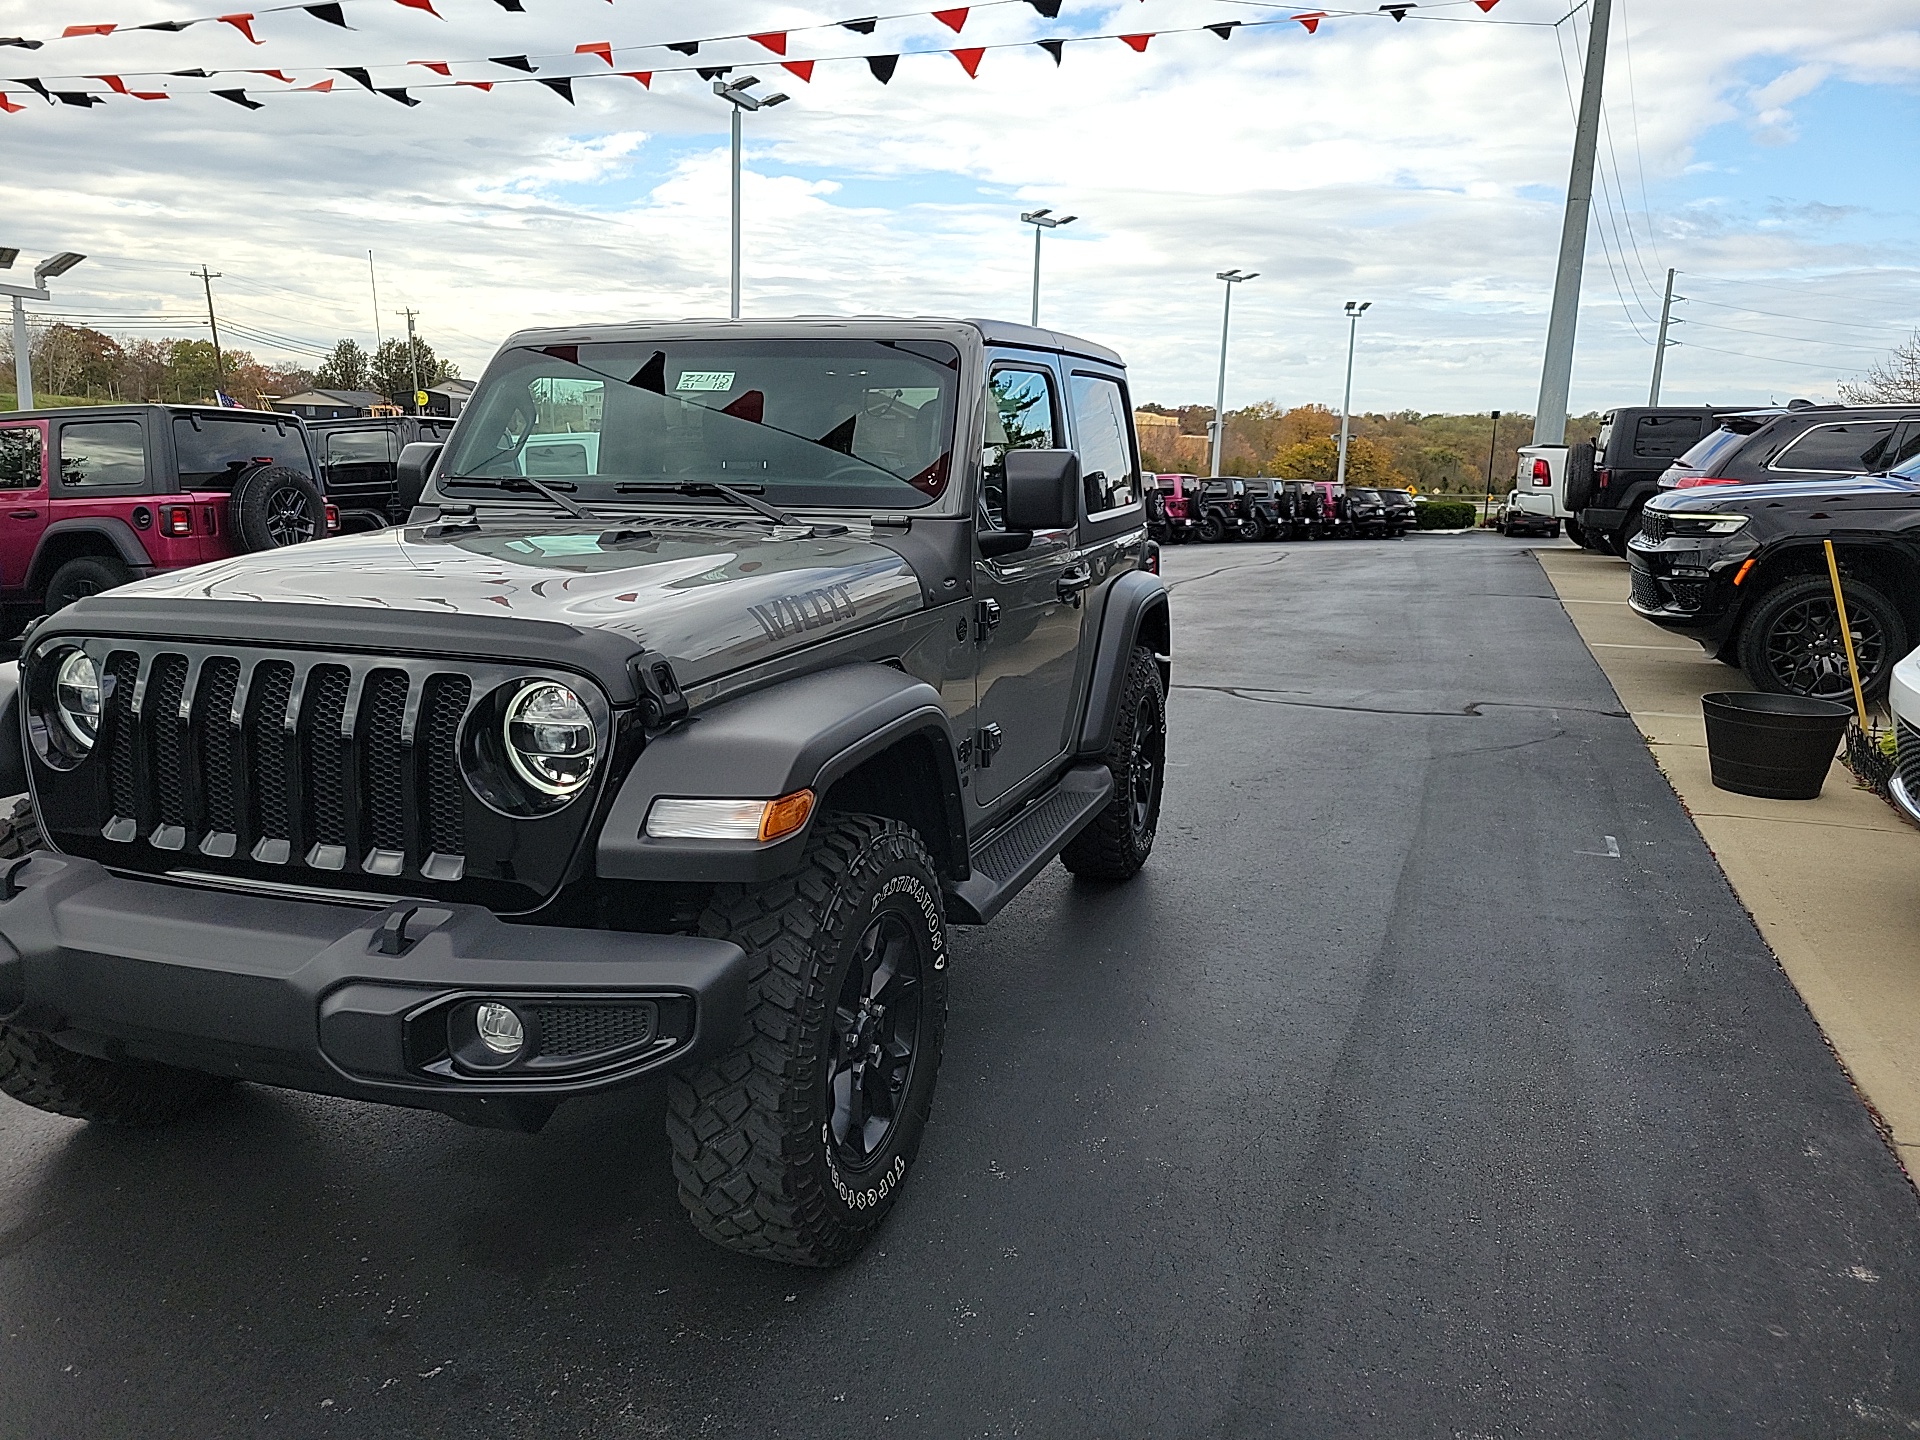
[[360, 458], [1821, 443], [721, 667], [1608, 488], [1743, 570]]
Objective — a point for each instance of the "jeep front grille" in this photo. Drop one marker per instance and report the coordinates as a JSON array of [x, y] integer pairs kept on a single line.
[[1653, 525], [286, 767]]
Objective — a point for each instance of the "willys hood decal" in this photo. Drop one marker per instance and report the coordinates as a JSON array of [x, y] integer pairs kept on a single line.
[[710, 599]]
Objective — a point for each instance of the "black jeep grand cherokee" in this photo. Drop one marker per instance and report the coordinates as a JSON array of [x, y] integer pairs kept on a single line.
[[720, 667], [1743, 570]]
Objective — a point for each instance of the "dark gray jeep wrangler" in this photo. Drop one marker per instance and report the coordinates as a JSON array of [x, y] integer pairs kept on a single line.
[[718, 669]]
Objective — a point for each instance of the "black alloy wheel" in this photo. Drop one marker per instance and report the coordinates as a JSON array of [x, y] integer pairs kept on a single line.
[[1118, 840], [1792, 644], [875, 1038], [1147, 759], [1211, 529], [290, 520]]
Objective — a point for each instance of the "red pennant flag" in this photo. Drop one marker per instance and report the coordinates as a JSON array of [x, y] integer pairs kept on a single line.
[[969, 60], [486, 85], [151, 95], [601, 48], [774, 40], [802, 68], [280, 75], [439, 67], [1486, 5], [426, 5], [1312, 20], [8, 106], [112, 82], [72, 30], [1138, 42], [952, 19], [242, 23], [645, 77], [325, 87]]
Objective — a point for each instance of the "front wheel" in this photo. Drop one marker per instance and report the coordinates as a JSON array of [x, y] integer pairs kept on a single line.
[[1118, 840], [1791, 643], [86, 575], [794, 1145]]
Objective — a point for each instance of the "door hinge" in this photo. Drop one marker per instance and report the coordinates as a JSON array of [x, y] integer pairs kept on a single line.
[[986, 618], [989, 740]]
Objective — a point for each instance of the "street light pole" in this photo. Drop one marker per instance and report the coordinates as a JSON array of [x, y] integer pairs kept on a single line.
[[50, 268], [1041, 219], [1355, 309], [1219, 427], [1493, 444], [735, 94]]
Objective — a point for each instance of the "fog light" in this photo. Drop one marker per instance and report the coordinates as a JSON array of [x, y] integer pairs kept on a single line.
[[499, 1028]]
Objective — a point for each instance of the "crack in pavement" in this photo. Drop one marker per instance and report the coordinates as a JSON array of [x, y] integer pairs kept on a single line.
[[1473, 711], [1225, 570]]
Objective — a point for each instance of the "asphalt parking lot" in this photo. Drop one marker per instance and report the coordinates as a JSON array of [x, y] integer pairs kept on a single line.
[[1389, 1101]]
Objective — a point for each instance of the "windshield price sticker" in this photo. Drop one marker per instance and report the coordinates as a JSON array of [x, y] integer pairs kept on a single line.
[[721, 380]]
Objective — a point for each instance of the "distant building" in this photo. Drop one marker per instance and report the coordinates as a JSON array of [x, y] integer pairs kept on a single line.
[[449, 399], [329, 404], [1160, 437]]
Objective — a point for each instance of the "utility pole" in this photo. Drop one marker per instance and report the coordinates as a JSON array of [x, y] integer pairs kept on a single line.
[[1556, 375], [1493, 444], [1219, 427], [1355, 309], [413, 357], [374, 281], [1660, 345], [206, 278]]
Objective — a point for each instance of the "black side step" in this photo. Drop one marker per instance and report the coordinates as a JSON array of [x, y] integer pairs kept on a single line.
[[1003, 866]]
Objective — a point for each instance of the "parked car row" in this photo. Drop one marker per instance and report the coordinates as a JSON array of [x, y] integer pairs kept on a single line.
[[1189, 507]]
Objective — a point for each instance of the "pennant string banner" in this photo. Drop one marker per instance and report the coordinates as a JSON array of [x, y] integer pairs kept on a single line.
[[882, 66]]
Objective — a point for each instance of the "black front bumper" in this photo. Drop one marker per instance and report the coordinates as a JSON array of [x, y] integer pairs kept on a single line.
[[341, 999], [1686, 585]]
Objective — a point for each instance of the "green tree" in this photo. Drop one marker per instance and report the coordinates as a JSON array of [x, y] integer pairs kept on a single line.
[[345, 368], [393, 368], [191, 373]]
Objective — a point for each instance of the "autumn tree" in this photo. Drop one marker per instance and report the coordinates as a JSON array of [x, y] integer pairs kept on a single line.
[[1895, 381], [1319, 459]]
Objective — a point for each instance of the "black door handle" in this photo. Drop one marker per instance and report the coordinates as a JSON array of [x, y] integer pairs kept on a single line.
[[1072, 581]]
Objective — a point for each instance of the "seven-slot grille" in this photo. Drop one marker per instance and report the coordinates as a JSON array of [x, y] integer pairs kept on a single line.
[[1653, 525], [326, 764]]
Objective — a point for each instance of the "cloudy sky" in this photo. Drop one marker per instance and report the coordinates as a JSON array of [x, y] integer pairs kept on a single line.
[[1768, 149]]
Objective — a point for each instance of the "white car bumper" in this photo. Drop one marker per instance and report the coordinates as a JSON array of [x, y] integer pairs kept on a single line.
[[1904, 698]]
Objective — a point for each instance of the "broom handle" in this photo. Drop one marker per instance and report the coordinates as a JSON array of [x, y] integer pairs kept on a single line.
[[1846, 635]]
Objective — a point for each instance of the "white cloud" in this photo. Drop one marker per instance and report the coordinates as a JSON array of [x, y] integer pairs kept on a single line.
[[1418, 165]]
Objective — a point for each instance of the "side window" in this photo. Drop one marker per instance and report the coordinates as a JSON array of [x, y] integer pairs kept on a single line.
[[358, 447], [1664, 437], [1850, 448], [211, 449], [107, 456], [20, 467], [1021, 415], [1102, 425], [1908, 445]]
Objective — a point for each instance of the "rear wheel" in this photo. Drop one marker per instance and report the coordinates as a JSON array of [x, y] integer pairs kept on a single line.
[[84, 576], [1576, 533], [1119, 839], [1212, 529], [794, 1145], [1791, 643]]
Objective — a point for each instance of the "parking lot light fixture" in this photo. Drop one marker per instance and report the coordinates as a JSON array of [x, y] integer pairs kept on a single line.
[[736, 93], [48, 269], [1355, 309], [1219, 426], [1042, 219]]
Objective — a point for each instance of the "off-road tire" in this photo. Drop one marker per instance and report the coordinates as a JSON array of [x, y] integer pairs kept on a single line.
[[1576, 534], [1251, 529], [40, 1073], [263, 501], [1118, 840], [1211, 528], [753, 1152], [82, 576], [1880, 638]]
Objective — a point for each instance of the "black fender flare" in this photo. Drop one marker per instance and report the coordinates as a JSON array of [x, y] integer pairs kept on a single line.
[[115, 531], [1136, 600], [805, 733], [13, 734]]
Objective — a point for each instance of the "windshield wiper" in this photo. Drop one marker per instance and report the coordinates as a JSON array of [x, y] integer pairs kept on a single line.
[[714, 487], [517, 482]]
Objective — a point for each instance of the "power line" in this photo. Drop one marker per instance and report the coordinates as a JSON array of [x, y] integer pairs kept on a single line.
[[1777, 315], [1767, 359], [1797, 339]]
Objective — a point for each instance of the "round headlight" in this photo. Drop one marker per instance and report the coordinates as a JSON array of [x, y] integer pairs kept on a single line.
[[76, 699], [550, 738]]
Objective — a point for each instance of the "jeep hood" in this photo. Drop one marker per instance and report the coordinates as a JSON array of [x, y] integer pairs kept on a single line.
[[712, 598]]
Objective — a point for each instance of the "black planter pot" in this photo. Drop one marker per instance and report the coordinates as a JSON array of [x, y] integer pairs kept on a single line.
[[1775, 746]]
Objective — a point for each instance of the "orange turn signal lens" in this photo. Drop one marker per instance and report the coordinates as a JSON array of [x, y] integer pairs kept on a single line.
[[785, 815], [1741, 573]]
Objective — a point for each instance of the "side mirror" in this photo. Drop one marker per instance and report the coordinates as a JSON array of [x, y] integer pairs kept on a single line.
[[1043, 489], [410, 472]]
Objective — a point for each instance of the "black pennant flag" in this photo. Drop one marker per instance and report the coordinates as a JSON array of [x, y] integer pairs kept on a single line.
[[686, 47], [1225, 28], [24, 44], [329, 13], [514, 5], [172, 27], [563, 87], [1398, 12], [37, 86], [398, 94], [883, 66], [514, 62], [190, 74], [357, 74], [861, 27], [239, 97], [82, 98], [1053, 48], [712, 72], [1048, 8]]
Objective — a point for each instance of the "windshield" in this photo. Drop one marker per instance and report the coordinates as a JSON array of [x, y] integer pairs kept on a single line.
[[212, 449], [864, 423]]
